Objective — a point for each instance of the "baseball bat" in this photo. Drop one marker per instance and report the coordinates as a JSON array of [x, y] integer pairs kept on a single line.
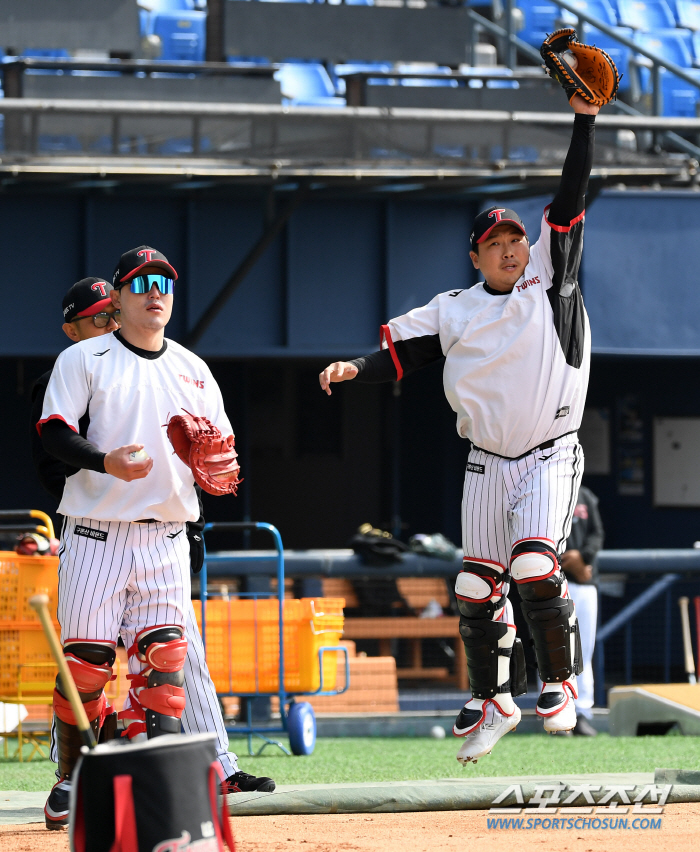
[[687, 641], [41, 604]]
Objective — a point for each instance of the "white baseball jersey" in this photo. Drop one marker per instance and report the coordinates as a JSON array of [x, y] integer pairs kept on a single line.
[[516, 364], [129, 398]]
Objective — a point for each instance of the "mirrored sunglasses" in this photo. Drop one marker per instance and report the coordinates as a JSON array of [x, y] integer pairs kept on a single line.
[[143, 284], [102, 319]]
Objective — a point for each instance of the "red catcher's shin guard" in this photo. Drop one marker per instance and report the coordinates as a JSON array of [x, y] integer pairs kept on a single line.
[[68, 738], [157, 691]]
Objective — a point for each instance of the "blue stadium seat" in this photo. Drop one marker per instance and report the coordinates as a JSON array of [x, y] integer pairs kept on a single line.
[[680, 99], [695, 39], [183, 35], [171, 5], [648, 15], [672, 45], [600, 9], [340, 70], [618, 52], [688, 14], [540, 19], [307, 84], [420, 69]]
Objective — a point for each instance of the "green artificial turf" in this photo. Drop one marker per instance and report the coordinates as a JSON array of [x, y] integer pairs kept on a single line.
[[398, 759]]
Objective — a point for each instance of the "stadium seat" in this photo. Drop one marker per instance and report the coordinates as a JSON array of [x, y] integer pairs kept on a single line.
[[675, 46], [647, 15], [618, 52], [680, 98], [169, 5], [600, 9], [672, 45], [420, 69], [182, 34], [688, 14], [339, 71], [307, 84], [540, 18]]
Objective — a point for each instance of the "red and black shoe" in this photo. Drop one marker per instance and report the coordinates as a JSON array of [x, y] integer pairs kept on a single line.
[[56, 808], [242, 782]]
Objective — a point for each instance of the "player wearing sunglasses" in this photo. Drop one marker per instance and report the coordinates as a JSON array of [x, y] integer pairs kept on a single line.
[[126, 549]]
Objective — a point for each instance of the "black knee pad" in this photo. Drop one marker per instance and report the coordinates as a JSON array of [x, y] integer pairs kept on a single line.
[[551, 630], [96, 654], [159, 635], [480, 637], [542, 590]]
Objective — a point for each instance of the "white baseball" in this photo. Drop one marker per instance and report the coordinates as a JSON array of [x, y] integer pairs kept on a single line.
[[437, 732], [570, 59], [138, 455]]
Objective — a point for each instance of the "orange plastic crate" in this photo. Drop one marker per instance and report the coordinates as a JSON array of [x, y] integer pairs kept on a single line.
[[21, 577], [22, 644], [243, 643], [322, 624]]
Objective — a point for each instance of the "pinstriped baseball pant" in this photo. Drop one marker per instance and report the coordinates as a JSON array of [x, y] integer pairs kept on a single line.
[[506, 501], [117, 578]]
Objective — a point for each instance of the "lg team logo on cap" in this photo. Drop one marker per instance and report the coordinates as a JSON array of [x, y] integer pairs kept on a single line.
[[98, 285], [147, 253], [496, 214]]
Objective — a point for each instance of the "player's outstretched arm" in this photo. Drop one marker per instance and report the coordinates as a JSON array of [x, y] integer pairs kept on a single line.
[[338, 371], [119, 464]]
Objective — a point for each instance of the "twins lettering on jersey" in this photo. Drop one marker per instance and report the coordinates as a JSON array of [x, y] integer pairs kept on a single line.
[[529, 283], [198, 383]]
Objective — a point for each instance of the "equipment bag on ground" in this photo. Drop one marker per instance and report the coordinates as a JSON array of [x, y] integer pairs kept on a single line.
[[158, 796]]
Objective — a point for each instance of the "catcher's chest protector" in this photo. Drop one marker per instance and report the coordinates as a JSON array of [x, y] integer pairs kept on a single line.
[[156, 796]]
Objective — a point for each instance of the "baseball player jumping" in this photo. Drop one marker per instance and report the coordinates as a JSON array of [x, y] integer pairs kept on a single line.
[[516, 350], [118, 575]]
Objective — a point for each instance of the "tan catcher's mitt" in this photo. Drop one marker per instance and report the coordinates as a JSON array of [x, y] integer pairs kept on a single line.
[[580, 69], [201, 446]]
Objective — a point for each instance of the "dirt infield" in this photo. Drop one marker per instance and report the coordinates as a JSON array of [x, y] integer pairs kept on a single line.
[[444, 831]]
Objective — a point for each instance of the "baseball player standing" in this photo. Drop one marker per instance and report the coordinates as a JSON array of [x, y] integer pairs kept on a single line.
[[101, 586], [516, 350]]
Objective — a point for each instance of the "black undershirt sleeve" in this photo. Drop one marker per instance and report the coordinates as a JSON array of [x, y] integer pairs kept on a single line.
[[63, 443], [51, 471], [570, 200], [414, 353]]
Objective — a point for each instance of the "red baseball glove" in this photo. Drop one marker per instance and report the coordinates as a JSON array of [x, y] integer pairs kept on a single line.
[[201, 446]]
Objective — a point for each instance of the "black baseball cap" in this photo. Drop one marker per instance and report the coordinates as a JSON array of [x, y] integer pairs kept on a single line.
[[86, 298], [136, 259], [487, 220]]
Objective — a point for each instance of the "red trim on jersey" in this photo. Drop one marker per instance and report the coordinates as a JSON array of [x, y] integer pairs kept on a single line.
[[562, 229], [161, 264], [54, 417], [95, 309], [385, 334]]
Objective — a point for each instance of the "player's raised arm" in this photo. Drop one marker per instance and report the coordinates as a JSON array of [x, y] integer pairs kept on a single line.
[[408, 343]]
